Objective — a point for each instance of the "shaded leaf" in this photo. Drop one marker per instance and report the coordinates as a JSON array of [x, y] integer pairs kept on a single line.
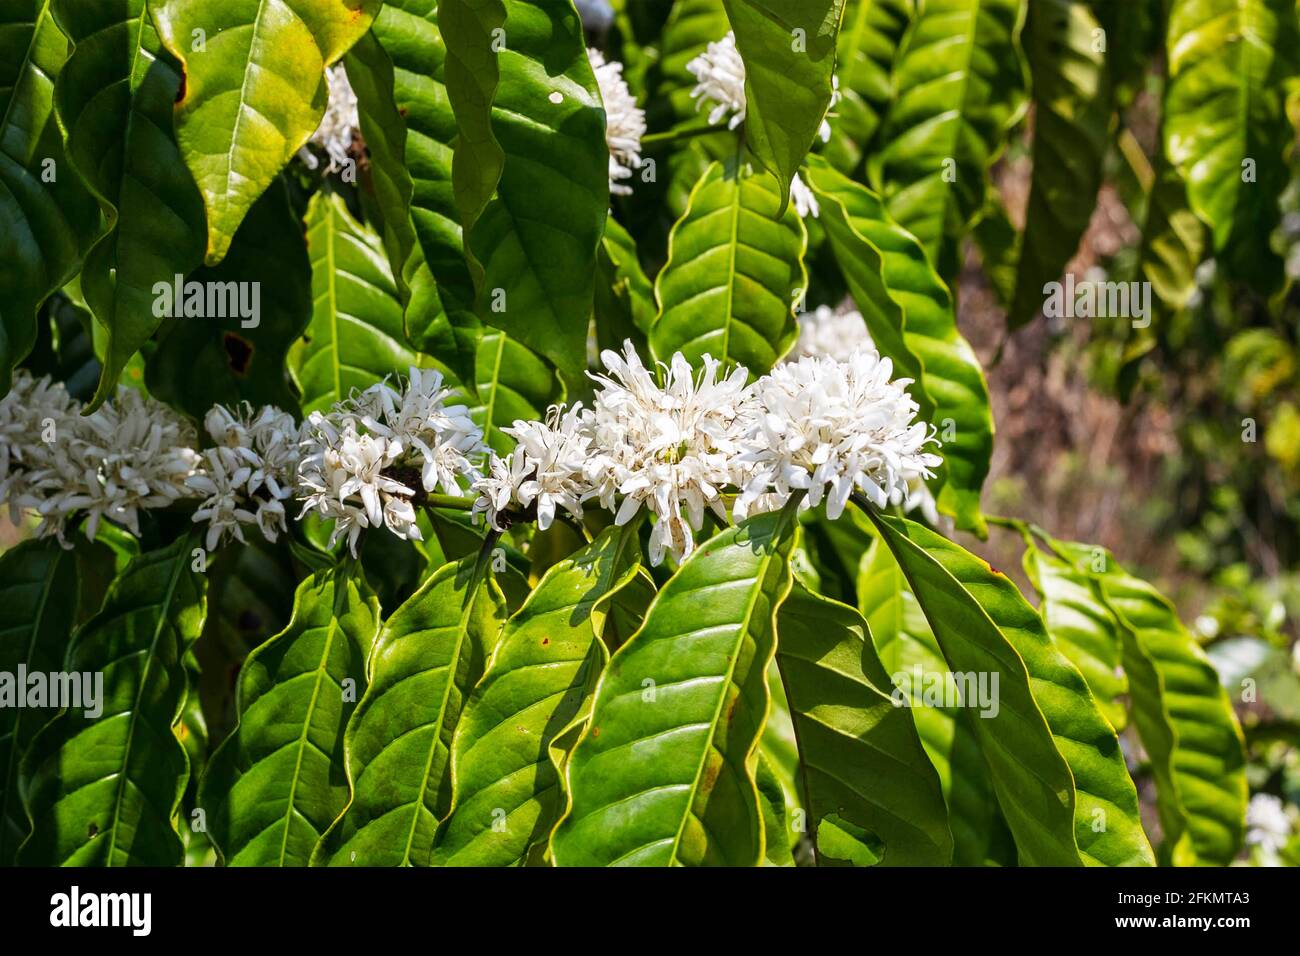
[[860, 759], [254, 91], [104, 788], [277, 782]]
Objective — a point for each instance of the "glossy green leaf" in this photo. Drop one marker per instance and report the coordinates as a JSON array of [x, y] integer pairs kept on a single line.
[[860, 759], [1226, 128], [734, 272], [510, 382], [406, 61], [277, 782], [38, 609], [253, 93], [1082, 627], [104, 790], [868, 41], [789, 51], [664, 773], [959, 82], [47, 226], [910, 655], [953, 380], [625, 305], [356, 334], [431, 652], [1182, 714], [507, 794], [776, 826], [534, 243], [1056, 762], [200, 362], [115, 99], [472, 73], [1073, 100]]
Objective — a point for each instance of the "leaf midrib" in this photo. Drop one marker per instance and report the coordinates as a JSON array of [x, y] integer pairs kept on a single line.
[[135, 708]]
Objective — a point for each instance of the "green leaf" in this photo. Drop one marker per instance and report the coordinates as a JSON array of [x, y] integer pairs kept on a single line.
[[510, 382], [1173, 240], [253, 93], [664, 773], [859, 755], [399, 74], [776, 828], [430, 653], [199, 363], [1082, 627], [47, 225], [534, 245], [959, 81], [734, 272], [1073, 109], [1226, 128], [953, 380], [277, 782], [625, 304], [868, 41], [507, 794], [909, 652], [472, 73], [789, 51], [38, 609], [115, 99], [104, 790], [356, 336], [1183, 716], [1053, 757]]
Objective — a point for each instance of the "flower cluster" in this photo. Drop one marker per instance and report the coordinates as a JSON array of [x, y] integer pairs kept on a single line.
[[130, 455], [670, 441], [624, 122], [683, 442], [830, 428], [373, 457], [338, 126], [248, 474], [720, 79], [833, 333]]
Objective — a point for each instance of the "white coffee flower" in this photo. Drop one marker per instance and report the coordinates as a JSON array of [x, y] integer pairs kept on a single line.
[[347, 475], [337, 126], [624, 122], [368, 461], [132, 454], [545, 470], [827, 427], [247, 477], [672, 448], [1269, 826], [805, 203], [720, 79], [437, 438], [832, 333], [34, 416]]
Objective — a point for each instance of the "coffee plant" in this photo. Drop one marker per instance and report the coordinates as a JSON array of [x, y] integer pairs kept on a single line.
[[506, 432]]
